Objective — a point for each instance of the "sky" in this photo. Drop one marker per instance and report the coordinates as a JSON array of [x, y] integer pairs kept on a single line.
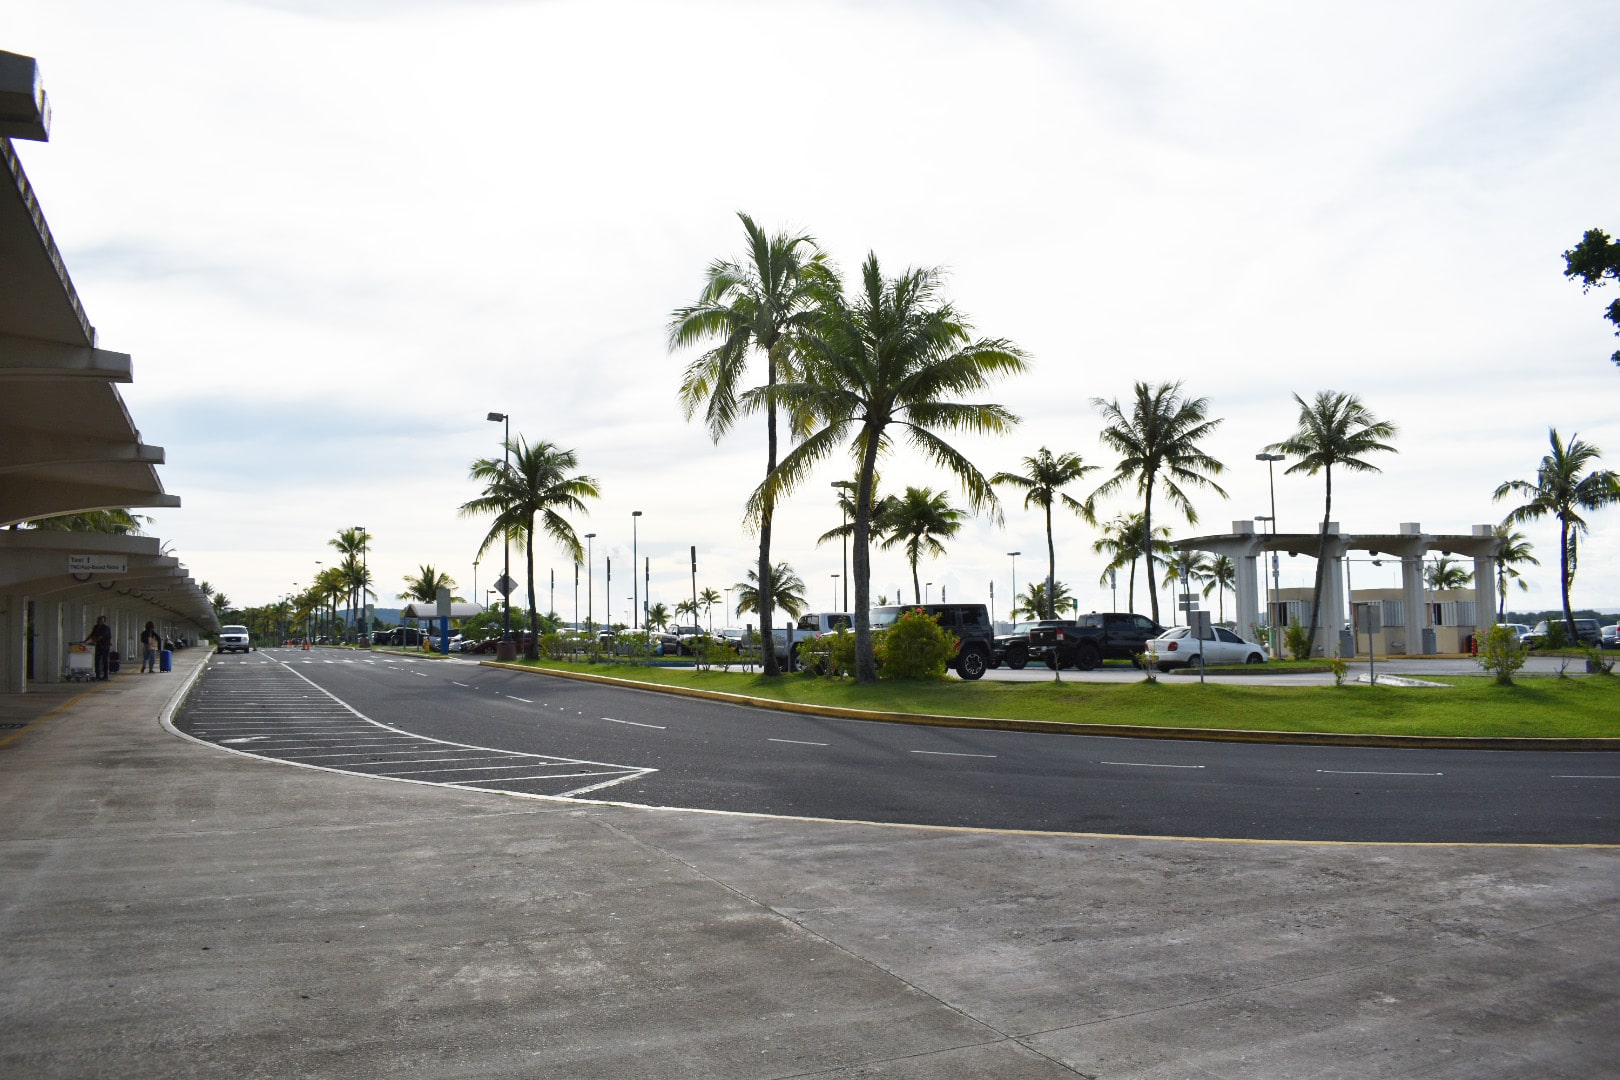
[[335, 234]]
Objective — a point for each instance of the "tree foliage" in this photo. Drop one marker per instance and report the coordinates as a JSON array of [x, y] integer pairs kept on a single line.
[[1044, 476], [1594, 261]]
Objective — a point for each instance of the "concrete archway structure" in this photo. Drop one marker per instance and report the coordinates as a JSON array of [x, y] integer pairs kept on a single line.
[[1409, 544]]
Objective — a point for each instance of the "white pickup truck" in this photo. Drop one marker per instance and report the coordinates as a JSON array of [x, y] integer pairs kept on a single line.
[[786, 639]]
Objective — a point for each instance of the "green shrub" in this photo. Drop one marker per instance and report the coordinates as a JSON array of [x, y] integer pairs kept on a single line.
[[1298, 640], [915, 647], [1556, 636], [1501, 653], [832, 655], [1340, 668]]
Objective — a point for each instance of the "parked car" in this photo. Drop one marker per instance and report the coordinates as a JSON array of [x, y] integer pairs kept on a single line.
[[1176, 647], [1611, 636], [1092, 638], [1587, 632], [1519, 629], [1013, 649], [969, 622]]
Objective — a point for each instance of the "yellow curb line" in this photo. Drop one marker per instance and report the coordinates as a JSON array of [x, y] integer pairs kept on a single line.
[[1056, 727]]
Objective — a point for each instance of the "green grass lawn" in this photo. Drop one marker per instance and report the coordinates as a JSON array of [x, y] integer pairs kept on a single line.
[[1466, 706]]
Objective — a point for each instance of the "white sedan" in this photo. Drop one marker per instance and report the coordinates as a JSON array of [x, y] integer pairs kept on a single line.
[[1176, 647]]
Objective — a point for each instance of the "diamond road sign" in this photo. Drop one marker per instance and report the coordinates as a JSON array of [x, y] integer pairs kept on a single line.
[[505, 585]]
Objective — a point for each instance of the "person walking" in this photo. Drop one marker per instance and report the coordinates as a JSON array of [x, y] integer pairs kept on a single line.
[[151, 641], [100, 636]]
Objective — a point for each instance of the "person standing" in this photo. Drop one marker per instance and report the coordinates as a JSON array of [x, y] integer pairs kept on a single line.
[[151, 640], [100, 636]]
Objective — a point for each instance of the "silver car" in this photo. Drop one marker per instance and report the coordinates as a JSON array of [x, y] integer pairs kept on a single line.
[[233, 639], [1176, 647]]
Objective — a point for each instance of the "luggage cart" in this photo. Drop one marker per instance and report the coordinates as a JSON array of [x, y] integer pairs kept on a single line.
[[80, 665]]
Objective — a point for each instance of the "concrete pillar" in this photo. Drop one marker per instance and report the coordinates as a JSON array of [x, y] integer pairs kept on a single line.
[[14, 644], [1485, 598], [52, 654]]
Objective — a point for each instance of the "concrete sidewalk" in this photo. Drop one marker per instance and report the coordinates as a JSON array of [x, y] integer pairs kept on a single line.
[[173, 910]]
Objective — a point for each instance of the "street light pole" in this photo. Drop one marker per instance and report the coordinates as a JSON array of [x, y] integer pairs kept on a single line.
[[635, 586], [835, 590], [1276, 587], [1013, 611], [843, 504], [590, 590]]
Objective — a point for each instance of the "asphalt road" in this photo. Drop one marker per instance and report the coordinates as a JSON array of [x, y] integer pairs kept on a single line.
[[456, 723]]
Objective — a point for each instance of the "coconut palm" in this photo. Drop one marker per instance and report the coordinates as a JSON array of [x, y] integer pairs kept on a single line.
[[762, 303], [892, 359], [1515, 550], [116, 522], [1037, 602], [1157, 443], [1041, 482], [1334, 429], [533, 488], [1220, 576], [351, 544], [1563, 488], [1446, 572], [689, 609], [1124, 544], [1189, 570], [657, 616], [706, 600], [787, 591], [425, 585], [920, 519]]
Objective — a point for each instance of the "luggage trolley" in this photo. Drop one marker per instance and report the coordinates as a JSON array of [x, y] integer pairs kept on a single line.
[[80, 665]]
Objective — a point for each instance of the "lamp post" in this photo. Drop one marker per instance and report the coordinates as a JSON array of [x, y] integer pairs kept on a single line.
[[835, 590], [926, 586], [843, 504], [506, 651], [590, 619], [1271, 478], [1013, 555], [635, 588]]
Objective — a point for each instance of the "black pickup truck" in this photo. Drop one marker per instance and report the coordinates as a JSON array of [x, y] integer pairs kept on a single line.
[[1013, 649], [1093, 638]]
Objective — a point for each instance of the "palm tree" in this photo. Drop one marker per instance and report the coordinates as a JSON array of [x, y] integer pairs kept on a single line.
[[1221, 575], [1044, 475], [896, 356], [787, 591], [1446, 572], [534, 485], [117, 522], [1124, 544], [350, 543], [426, 584], [1157, 444], [706, 600], [1189, 570], [1334, 429], [1039, 603], [762, 303], [657, 616], [688, 608], [1563, 488], [1515, 549], [332, 583], [920, 519]]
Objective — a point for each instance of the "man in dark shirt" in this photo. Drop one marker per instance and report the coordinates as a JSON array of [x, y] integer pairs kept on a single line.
[[100, 636]]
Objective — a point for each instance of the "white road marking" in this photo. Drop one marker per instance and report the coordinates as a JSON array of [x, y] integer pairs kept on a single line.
[[1353, 772], [525, 700], [800, 742], [1148, 765], [947, 753], [454, 683], [632, 723], [1583, 776]]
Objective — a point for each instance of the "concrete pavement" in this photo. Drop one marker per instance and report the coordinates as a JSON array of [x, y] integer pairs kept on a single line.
[[170, 910]]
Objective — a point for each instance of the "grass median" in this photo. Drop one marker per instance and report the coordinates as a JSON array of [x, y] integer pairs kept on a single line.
[[1463, 707]]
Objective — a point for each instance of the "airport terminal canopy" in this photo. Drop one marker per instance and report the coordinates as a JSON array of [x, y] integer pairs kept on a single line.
[[67, 442]]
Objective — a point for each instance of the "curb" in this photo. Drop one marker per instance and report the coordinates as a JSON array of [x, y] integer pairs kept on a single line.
[[1054, 727]]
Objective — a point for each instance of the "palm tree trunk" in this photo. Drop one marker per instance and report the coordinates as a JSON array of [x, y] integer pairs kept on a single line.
[[916, 589], [861, 565], [767, 594], [1321, 565], [533, 651], [1147, 546], [1564, 575], [1051, 567]]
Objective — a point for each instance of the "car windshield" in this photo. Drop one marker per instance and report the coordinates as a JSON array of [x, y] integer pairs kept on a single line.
[[885, 616], [233, 630]]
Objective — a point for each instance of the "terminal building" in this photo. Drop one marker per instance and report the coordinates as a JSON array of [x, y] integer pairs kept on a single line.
[[68, 445]]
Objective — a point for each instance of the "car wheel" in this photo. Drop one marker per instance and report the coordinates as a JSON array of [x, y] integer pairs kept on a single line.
[[971, 665], [1196, 661], [1088, 658], [1165, 668], [1255, 658], [1018, 661]]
